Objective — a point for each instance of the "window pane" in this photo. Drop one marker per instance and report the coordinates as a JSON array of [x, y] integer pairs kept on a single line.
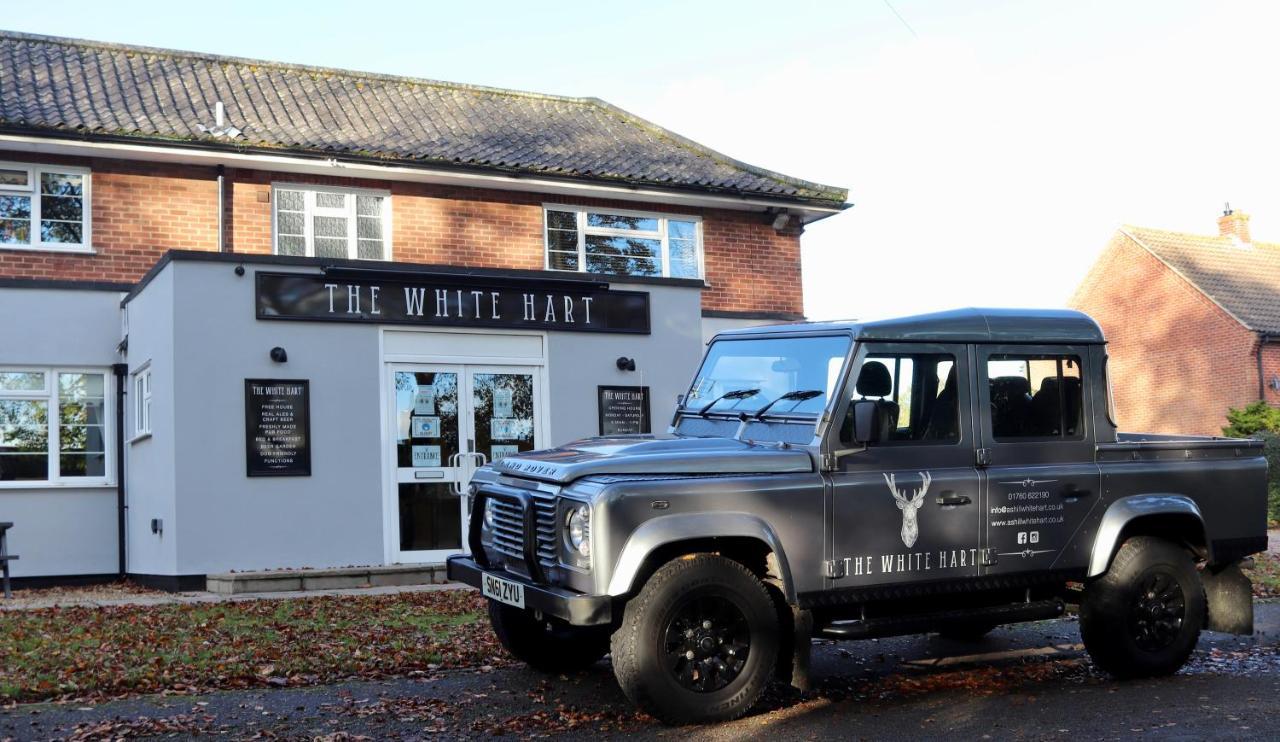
[[916, 394], [369, 250], [681, 230], [23, 466], [288, 222], [369, 228], [329, 226], [369, 205], [61, 208], [1035, 396], [286, 245], [12, 178], [60, 184], [328, 247], [331, 200], [82, 465], [562, 220], [289, 200], [15, 207], [21, 381], [618, 221], [624, 255], [684, 258], [80, 386], [70, 233], [24, 439], [562, 261]]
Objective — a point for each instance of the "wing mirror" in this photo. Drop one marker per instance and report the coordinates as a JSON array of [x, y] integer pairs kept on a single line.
[[866, 421]]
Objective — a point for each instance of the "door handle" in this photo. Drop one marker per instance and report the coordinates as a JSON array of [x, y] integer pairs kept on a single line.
[[1070, 492], [951, 499]]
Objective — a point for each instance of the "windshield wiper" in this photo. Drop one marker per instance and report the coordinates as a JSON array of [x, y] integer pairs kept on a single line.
[[735, 394], [799, 395]]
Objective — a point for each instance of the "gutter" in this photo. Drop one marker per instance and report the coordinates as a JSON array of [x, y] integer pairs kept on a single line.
[[376, 169], [121, 371]]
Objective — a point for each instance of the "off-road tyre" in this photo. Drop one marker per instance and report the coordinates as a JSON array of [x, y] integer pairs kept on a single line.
[[1129, 618], [698, 584], [966, 631], [550, 646]]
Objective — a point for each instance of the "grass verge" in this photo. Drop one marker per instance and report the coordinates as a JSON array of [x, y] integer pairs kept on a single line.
[[94, 653]]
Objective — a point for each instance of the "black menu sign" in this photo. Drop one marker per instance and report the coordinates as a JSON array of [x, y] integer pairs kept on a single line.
[[624, 409], [277, 427]]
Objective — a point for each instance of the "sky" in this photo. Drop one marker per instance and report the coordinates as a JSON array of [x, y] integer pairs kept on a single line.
[[990, 148]]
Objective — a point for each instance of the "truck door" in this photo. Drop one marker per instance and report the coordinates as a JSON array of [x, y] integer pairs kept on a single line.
[[905, 509], [1040, 477]]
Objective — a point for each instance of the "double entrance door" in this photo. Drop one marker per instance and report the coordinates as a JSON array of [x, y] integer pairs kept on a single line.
[[446, 422]]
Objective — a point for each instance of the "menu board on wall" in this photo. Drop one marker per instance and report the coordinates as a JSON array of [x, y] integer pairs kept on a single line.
[[624, 410], [277, 427]]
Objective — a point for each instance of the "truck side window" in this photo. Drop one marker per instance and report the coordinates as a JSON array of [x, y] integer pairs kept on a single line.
[[917, 396], [1035, 396]]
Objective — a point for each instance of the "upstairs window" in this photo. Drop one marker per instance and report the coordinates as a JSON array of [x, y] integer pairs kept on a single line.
[[142, 403], [623, 243], [44, 207], [332, 223]]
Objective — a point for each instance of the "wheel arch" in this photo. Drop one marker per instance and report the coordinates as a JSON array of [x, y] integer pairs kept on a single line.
[[743, 537], [1166, 515]]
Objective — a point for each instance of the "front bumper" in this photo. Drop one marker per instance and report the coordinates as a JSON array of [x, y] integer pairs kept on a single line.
[[574, 608]]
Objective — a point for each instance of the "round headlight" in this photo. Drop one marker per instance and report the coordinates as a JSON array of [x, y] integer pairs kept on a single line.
[[578, 530], [488, 514]]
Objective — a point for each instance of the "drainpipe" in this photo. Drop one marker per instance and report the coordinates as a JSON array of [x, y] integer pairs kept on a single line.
[[121, 371], [222, 211]]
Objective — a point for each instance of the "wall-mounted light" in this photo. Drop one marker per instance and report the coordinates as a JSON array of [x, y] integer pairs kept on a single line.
[[780, 221], [1275, 383], [157, 526], [279, 355], [626, 364]]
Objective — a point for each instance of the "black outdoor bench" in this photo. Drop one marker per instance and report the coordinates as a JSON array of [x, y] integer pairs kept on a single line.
[[5, 556]]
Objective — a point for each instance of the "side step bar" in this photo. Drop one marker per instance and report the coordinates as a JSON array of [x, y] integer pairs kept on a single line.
[[920, 623]]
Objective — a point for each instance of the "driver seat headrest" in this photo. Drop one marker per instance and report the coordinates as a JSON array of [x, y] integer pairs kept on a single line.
[[874, 380]]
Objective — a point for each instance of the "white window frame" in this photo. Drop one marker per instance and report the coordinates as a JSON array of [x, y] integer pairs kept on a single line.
[[50, 395], [662, 233], [142, 403], [32, 190], [311, 210]]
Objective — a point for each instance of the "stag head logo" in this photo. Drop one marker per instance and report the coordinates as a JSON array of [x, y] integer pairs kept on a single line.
[[909, 505]]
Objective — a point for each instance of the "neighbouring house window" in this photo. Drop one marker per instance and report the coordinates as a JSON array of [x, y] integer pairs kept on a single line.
[[623, 243], [142, 403], [53, 426], [332, 223], [44, 207]]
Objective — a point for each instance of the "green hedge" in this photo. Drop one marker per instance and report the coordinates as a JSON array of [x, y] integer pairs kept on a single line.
[[1261, 420]]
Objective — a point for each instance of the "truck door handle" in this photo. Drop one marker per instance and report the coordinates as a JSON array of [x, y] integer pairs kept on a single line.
[[951, 499], [1071, 492]]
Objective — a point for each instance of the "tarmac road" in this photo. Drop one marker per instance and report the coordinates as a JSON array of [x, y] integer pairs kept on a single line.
[[1024, 682]]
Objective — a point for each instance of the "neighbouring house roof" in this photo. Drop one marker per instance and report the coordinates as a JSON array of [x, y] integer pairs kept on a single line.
[[51, 85], [1242, 278]]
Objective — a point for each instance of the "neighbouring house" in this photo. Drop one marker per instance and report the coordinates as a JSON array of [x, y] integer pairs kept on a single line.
[[1192, 324], [257, 315]]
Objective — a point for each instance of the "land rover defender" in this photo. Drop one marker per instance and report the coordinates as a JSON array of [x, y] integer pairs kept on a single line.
[[940, 473]]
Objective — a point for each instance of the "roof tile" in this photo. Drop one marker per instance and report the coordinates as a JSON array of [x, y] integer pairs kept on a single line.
[[49, 83]]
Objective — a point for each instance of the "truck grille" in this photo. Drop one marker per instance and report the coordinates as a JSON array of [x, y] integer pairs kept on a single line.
[[508, 528]]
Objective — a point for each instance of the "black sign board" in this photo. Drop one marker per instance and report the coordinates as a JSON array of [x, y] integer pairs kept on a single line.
[[452, 301], [277, 427], [624, 409]]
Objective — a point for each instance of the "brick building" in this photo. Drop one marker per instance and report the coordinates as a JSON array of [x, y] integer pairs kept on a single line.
[[413, 273], [1192, 323]]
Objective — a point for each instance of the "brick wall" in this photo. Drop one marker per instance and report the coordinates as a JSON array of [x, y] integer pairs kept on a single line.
[[142, 209], [139, 210], [1177, 360]]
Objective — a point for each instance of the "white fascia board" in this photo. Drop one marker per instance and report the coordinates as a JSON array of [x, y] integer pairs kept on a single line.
[[334, 167]]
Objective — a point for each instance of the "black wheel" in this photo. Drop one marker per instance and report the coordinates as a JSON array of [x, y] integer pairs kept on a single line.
[[1143, 617], [548, 645], [966, 631], [698, 643]]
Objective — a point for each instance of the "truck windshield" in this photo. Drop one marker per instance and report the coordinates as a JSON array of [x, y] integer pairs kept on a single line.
[[774, 367]]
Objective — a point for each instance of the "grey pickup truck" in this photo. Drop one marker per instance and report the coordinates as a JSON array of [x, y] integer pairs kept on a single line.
[[941, 473]]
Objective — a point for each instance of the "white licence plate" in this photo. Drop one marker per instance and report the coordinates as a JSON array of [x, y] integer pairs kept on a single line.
[[503, 591]]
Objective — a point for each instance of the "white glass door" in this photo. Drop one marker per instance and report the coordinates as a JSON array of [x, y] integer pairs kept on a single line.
[[446, 422]]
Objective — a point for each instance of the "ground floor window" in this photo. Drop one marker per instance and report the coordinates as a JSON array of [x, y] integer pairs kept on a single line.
[[54, 426]]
